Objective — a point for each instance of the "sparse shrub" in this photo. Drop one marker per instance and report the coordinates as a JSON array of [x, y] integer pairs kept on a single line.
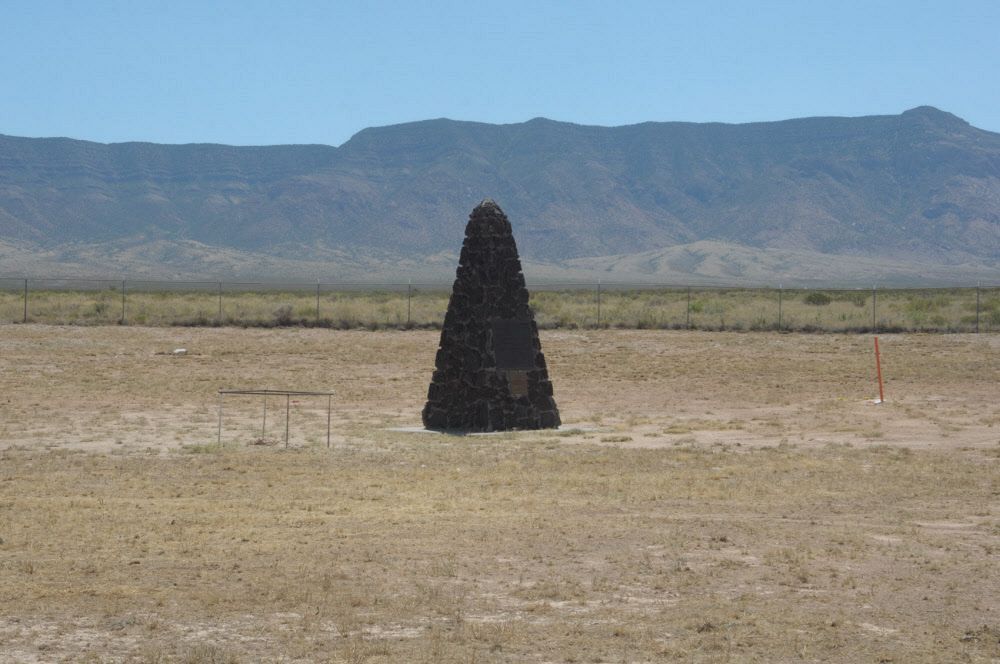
[[817, 299], [926, 304], [208, 653], [202, 448], [858, 299], [283, 315]]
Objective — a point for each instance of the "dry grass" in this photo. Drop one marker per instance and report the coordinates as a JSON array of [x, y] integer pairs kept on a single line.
[[343, 309], [951, 310], [723, 497]]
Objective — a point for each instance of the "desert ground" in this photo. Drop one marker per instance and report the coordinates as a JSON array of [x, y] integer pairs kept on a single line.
[[712, 496]]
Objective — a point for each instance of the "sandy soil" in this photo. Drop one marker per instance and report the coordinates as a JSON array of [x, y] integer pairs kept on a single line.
[[714, 497], [106, 389]]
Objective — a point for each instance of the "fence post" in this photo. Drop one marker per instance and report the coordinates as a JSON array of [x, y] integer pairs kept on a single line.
[[874, 300], [25, 301], [123, 301], [598, 303], [779, 307], [978, 286], [687, 320], [409, 288], [317, 303], [220, 303]]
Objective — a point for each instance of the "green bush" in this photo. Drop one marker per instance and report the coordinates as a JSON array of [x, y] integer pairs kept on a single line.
[[817, 299]]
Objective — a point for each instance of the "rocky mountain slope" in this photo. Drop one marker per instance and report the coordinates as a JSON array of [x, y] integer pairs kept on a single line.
[[906, 192]]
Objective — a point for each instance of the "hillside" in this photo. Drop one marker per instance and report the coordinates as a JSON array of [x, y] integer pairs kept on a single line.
[[906, 191]]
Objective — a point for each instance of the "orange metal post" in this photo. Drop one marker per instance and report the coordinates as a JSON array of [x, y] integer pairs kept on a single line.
[[878, 369]]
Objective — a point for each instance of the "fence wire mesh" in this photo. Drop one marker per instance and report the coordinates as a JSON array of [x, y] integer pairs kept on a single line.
[[68, 301]]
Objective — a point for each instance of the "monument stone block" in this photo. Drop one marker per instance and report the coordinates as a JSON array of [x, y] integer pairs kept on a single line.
[[490, 373]]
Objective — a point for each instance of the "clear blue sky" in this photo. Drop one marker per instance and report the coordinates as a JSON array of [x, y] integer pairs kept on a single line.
[[252, 72]]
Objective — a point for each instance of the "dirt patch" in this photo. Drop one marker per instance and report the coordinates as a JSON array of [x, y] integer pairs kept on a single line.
[[724, 497], [112, 389]]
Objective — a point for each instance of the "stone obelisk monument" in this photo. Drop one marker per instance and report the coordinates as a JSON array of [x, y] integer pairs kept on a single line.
[[490, 373]]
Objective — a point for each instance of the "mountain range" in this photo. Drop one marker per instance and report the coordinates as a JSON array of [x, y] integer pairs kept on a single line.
[[913, 197]]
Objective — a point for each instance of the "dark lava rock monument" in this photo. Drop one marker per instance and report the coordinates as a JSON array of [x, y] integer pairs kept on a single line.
[[490, 372]]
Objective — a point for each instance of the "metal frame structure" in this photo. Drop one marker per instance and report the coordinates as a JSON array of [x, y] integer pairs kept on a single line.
[[288, 394]]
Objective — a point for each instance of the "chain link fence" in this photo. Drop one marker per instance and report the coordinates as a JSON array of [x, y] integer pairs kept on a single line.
[[68, 301]]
